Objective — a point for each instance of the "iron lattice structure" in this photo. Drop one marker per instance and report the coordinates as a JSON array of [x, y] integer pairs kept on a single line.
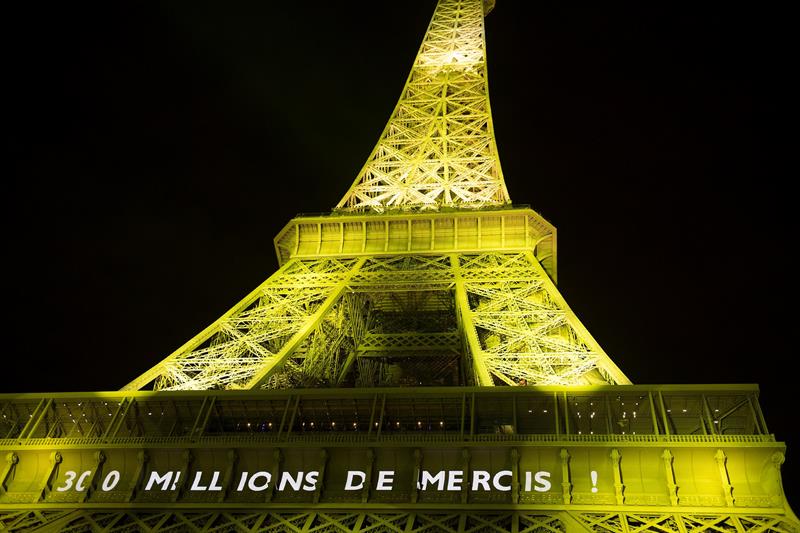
[[416, 328], [401, 522], [438, 148], [475, 318]]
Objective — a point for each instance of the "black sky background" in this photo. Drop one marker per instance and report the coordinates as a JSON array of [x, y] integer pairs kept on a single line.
[[157, 149]]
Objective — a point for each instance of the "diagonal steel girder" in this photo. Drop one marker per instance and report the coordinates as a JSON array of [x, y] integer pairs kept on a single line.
[[267, 362]]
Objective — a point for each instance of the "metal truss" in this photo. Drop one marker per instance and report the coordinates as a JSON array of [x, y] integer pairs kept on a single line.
[[519, 328], [241, 349], [438, 148], [486, 319], [356, 521], [423, 277], [507, 229], [612, 522], [671, 458], [355, 303]]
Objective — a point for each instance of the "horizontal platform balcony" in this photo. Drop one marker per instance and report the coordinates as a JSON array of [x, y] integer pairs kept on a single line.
[[693, 414], [462, 231]]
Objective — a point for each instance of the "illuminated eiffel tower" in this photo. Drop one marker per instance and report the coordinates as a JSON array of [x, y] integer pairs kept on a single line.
[[410, 367]]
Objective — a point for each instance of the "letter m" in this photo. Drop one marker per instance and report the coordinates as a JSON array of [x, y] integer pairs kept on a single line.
[[155, 479], [428, 479]]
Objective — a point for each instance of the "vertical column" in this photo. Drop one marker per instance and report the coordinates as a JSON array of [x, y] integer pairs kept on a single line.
[[722, 461], [99, 459], [203, 415], [514, 476], [277, 458], [472, 416], [566, 484], [555, 415], [760, 413], [8, 471], [141, 465], [227, 476], [619, 488], [663, 413], [363, 236], [188, 459], [380, 419], [712, 427], [670, 471], [653, 412], [777, 460], [368, 481], [372, 422], [415, 477], [52, 474], [466, 457], [323, 457]]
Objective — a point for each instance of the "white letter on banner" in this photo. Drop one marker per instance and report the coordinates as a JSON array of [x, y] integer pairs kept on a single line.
[[213, 486], [542, 478], [311, 481], [295, 483], [428, 479], [155, 479], [258, 488], [385, 480], [480, 477], [454, 479], [352, 474], [496, 480]]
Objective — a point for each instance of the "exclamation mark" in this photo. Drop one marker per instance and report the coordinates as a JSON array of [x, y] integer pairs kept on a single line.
[[594, 480]]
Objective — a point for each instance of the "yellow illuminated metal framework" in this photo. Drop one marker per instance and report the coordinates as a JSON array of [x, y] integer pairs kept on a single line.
[[313, 319], [485, 269], [416, 326], [438, 149]]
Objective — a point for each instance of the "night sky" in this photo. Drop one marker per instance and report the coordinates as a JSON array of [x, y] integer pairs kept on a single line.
[[157, 149]]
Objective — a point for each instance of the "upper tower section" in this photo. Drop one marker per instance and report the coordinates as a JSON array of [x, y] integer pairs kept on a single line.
[[438, 149]]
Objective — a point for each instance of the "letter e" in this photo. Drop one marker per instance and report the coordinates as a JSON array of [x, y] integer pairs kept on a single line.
[[385, 480]]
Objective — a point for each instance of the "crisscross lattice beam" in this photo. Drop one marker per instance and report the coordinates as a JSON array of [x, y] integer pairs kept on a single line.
[[438, 148], [310, 322], [400, 521], [518, 327], [244, 347]]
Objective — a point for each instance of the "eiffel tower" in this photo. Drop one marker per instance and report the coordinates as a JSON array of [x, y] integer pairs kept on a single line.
[[410, 367]]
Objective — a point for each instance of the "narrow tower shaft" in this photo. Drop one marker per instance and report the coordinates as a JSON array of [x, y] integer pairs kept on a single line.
[[438, 148]]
